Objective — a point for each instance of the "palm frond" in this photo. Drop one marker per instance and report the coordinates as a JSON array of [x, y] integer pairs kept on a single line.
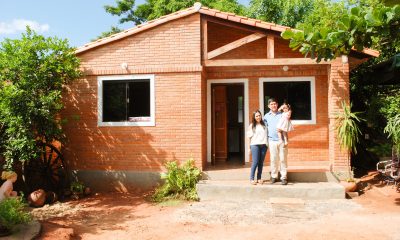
[[347, 128]]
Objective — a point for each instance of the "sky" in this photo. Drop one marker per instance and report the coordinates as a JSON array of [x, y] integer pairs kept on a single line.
[[79, 21]]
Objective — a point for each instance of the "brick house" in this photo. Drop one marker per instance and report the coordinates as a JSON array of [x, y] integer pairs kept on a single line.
[[185, 86]]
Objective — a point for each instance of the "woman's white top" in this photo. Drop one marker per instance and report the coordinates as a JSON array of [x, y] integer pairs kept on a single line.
[[259, 135]]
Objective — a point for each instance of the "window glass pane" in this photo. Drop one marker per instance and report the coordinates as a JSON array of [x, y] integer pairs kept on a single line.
[[139, 98], [114, 101], [297, 94]]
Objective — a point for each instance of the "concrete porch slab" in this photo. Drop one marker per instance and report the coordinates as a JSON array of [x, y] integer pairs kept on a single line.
[[242, 190]]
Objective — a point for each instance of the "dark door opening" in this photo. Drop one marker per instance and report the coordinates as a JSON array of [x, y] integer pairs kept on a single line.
[[228, 123]]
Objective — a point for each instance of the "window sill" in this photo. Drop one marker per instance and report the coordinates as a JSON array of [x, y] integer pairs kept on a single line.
[[126, 124], [303, 122]]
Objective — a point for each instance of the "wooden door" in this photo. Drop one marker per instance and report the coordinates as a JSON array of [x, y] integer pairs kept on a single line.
[[219, 124]]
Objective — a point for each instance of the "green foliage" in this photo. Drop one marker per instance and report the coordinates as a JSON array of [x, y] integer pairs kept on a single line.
[[393, 130], [347, 128], [112, 31], [12, 212], [381, 150], [33, 70], [348, 132], [180, 182], [329, 35], [77, 187], [153, 9], [380, 102], [390, 103], [283, 12]]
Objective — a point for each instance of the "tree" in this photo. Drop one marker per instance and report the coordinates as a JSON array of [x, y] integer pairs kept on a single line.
[[33, 70], [153, 9], [283, 12], [361, 26], [112, 31]]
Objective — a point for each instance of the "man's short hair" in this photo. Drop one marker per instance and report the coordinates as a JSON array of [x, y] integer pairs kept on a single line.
[[272, 100]]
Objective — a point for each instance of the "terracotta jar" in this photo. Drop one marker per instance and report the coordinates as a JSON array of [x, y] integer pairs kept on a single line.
[[37, 198]]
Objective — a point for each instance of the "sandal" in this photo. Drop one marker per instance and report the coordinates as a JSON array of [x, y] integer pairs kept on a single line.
[[252, 182]]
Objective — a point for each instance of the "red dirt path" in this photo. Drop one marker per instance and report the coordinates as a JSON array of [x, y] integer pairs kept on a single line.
[[373, 215]]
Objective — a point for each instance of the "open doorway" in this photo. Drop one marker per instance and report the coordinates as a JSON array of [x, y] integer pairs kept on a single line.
[[227, 111]]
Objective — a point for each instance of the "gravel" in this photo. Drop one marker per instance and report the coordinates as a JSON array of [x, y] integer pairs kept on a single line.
[[262, 212]]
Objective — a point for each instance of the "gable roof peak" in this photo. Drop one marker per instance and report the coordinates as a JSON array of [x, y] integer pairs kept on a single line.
[[197, 6]]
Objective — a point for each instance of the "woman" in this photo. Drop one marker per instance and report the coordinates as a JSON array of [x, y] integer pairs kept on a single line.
[[257, 133]]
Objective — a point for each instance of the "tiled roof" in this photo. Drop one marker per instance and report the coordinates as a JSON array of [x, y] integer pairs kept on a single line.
[[188, 11], [371, 52]]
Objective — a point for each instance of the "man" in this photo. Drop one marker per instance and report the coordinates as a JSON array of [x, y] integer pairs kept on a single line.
[[278, 151]]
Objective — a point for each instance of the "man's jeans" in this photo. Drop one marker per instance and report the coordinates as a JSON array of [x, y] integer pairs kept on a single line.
[[278, 155], [258, 154]]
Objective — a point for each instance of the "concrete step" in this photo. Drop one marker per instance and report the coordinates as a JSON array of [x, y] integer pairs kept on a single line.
[[304, 175], [242, 190]]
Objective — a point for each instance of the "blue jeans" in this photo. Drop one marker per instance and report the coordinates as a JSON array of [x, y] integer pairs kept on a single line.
[[258, 154]]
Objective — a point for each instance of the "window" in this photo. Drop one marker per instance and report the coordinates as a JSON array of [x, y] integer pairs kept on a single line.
[[299, 92], [126, 100]]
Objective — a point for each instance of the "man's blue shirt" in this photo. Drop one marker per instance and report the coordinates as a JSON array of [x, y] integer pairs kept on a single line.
[[271, 120]]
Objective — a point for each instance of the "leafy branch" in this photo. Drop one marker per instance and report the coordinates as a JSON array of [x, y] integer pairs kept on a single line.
[[360, 28]]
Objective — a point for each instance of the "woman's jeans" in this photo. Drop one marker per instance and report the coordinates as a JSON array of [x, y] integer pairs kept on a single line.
[[258, 154]]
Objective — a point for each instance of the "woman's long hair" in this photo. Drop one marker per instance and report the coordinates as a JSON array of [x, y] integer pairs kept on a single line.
[[254, 121]]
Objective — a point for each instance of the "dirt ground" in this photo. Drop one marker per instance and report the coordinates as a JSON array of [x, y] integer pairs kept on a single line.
[[373, 215]]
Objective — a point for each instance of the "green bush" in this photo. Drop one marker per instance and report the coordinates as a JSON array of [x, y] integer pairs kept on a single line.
[[33, 71], [12, 212], [381, 149], [180, 182], [77, 187]]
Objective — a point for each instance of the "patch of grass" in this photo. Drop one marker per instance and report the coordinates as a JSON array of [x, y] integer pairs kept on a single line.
[[171, 203], [12, 212]]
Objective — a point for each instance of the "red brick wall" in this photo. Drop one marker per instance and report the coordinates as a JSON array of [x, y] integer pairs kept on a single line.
[[175, 43], [309, 144], [171, 52], [338, 91]]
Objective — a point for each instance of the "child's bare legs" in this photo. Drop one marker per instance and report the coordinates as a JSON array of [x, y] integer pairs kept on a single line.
[[285, 138], [280, 135]]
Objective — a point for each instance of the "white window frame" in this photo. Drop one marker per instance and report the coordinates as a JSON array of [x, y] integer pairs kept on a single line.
[[292, 79], [101, 79]]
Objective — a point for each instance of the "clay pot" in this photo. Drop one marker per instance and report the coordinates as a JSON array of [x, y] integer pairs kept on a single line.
[[51, 197], [37, 198], [349, 186], [87, 191]]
